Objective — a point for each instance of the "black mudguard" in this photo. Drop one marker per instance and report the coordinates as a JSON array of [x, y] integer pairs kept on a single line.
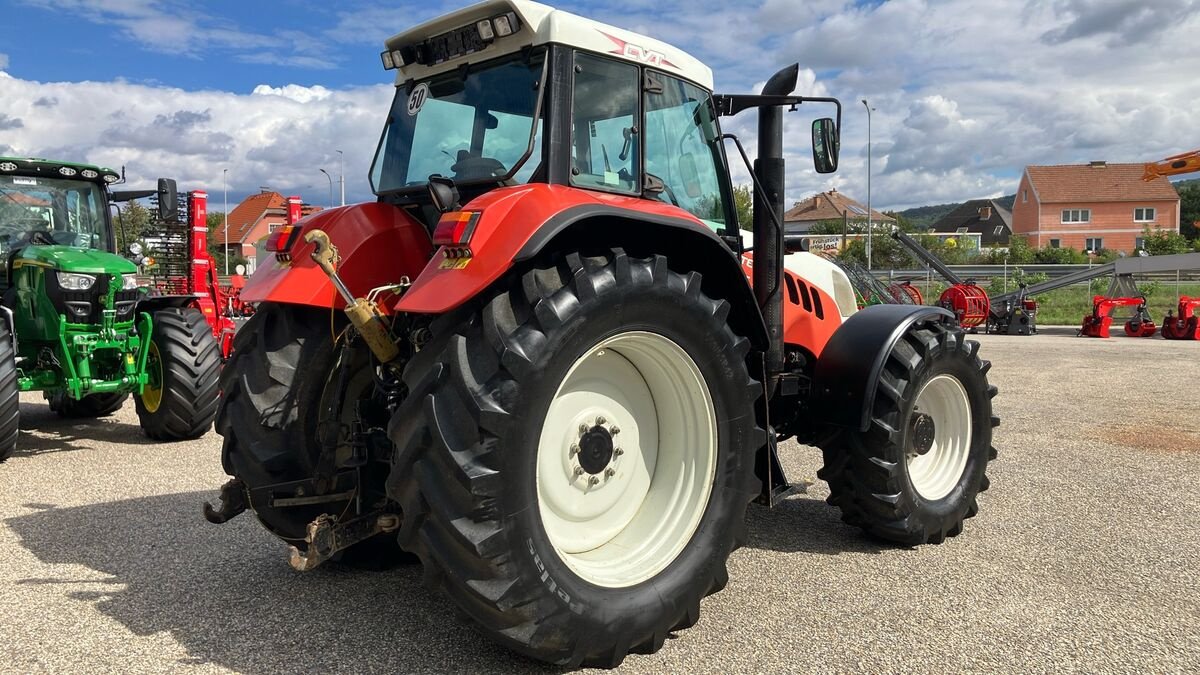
[[847, 372], [153, 303]]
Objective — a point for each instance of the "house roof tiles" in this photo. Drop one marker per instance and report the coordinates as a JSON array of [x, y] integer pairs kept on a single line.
[[1097, 182]]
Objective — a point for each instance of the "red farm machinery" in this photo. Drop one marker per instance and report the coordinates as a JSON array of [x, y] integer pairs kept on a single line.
[[1098, 322], [544, 363], [178, 260], [964, 298], [1185, 323]]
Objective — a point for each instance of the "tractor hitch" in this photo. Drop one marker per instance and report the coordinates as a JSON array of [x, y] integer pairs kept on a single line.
[[233, 501], [326, 536]]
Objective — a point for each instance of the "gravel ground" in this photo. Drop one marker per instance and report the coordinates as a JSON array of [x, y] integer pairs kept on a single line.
[[1084, 555]]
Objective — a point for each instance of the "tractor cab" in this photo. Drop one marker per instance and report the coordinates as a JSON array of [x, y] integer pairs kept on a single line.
[[504, 94]]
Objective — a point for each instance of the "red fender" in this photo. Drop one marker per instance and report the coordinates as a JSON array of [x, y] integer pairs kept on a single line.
[[377, 244], [510, 219]]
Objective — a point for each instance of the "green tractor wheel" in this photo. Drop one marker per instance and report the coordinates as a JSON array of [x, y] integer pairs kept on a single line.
[[10, 405], [94, 405], [180, 399]]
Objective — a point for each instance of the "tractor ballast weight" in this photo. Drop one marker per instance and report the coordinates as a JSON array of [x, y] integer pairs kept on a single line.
[[1185, 323], [569, 386]]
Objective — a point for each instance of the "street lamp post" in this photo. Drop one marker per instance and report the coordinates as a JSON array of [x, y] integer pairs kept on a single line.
[[330, 187], [869, 212], [225, 185], [341, 177]]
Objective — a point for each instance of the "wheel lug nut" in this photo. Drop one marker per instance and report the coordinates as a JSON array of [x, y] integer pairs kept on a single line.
[[617, 452], [593, 480], [583, 428], [600, 420], [609, 473], [614, 430], [578, 471], [574, 450]]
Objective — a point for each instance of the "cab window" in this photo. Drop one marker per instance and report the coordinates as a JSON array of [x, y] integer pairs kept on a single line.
[[682, 150], [604, 152]]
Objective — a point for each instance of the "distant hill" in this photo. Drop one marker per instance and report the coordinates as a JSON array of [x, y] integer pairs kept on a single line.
[[923, 216]]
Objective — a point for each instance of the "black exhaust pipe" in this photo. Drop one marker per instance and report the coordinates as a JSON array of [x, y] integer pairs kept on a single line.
[[768, 236]]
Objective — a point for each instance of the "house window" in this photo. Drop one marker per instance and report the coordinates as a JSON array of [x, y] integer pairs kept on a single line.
[[1139, 243], [1024, 195], [1055, 243], [1077, 215], [271, 227], [1093, 243], [961, 230], [1143, 215], [998, 231]]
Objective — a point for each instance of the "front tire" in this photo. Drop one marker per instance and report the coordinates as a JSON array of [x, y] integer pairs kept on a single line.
[[180, 401], [10, 403], [913, 476], [514, 495]]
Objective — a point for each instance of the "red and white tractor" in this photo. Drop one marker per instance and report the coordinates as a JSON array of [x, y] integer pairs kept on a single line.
[[537, 364]]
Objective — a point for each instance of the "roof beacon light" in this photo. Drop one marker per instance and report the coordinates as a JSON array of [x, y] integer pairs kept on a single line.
[[485, 30]]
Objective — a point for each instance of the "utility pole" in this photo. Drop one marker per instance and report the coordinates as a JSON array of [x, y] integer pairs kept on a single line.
[[341, 177], [870, 225], [225, 184]]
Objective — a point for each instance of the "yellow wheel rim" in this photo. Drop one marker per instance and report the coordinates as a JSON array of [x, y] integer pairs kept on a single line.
[[152, 392]]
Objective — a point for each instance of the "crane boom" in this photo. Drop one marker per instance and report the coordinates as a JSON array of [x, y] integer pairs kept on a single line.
[[1186, 162]]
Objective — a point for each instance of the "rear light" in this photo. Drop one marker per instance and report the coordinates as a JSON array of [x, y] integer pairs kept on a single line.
[[280, 241], [455, 229]]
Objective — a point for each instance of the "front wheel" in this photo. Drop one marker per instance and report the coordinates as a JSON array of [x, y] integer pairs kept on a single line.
[[913, 476], [180, 399], [574, 458]]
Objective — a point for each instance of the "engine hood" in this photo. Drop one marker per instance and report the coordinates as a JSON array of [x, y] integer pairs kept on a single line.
[[73, 259]]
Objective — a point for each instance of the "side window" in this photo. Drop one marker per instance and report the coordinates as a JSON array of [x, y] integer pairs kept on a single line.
[[681, 150], [604, 135]]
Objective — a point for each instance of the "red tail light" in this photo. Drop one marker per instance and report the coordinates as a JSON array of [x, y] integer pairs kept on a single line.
[[455, 228], [280, 241]]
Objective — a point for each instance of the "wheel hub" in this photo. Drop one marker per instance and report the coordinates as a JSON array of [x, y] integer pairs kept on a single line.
[[595, 449], [922, 431]]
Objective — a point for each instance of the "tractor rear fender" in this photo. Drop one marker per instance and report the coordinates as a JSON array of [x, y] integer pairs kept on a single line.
[[847, 372], [522, 223], [377, 244]]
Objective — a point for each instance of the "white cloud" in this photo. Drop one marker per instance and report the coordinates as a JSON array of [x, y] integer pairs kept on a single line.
[[278, 137]]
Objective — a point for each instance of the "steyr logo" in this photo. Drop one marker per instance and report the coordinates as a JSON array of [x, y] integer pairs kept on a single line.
[[639, 53]]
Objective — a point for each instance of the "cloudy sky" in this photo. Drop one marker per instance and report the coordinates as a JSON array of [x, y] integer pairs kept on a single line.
[[965, 94]]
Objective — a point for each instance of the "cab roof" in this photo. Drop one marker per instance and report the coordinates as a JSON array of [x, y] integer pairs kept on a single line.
[[55, 169], [538, 25]]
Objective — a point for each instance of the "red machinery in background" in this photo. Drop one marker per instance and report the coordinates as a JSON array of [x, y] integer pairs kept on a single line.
[[905, 288], [1098, 322], [1184, 325], [968, 302], [183, 266]]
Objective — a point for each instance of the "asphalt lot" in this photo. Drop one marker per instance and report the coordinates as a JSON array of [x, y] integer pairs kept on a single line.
[[1085, 556]]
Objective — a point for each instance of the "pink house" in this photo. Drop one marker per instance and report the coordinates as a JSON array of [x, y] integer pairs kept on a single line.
[[250, 223]]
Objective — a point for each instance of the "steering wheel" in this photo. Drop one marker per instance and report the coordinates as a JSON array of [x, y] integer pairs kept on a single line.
[[41, 237]]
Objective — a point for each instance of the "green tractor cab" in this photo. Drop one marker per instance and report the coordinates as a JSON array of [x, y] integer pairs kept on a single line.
[[76, 326]]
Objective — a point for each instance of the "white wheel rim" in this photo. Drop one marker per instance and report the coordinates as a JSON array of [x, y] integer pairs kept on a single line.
[[936, 472], [621, 523]]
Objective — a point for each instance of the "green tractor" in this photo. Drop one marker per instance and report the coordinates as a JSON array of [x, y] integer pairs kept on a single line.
[[76, 326]]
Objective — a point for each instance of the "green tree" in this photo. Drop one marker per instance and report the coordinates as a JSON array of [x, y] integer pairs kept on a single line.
[[743, 203], [1189, 210], [132, 223], [1164, 242]]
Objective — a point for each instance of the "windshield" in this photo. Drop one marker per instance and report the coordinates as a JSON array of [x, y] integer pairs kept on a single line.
[[39, 210], [477, 127]]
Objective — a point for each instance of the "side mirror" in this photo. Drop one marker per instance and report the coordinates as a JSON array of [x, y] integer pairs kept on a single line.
[[825, 145], [168, 200], [690, 175], [443, 193]]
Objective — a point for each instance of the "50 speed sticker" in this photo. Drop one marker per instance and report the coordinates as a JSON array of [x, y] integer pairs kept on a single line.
[[416, 100]]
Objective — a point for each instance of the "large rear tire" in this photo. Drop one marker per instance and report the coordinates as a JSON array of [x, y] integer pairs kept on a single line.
[[277, 387], [181, 399], [913, 476], [93, 405], [10, 403], [509, 466]]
